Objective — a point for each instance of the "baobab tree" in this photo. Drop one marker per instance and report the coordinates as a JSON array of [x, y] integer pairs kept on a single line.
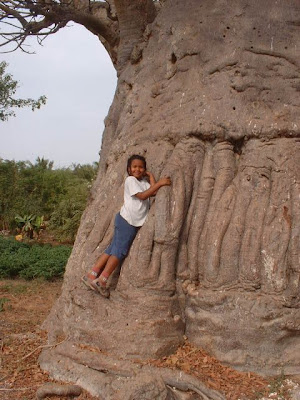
[[208, 91]]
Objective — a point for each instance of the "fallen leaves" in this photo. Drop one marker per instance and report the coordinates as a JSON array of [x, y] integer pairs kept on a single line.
[[233, 384], [21, 339]]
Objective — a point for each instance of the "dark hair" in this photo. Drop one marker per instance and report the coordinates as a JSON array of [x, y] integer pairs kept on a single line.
[[135, 157]]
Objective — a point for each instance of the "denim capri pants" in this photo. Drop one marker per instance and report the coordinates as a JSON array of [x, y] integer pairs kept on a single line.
[[124, 235]]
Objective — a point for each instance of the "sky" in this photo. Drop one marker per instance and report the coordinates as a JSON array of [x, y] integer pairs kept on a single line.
[[74, 72]]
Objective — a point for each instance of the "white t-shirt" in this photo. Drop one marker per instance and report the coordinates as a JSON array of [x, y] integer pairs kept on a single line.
[[134, 210]]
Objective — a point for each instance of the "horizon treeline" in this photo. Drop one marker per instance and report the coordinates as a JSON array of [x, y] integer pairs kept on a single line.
[[37, 189]]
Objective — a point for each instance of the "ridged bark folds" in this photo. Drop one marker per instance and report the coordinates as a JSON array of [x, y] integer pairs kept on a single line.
[[230, 216], [213, 102]]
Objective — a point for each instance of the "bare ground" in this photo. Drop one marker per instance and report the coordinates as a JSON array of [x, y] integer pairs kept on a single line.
[[23, 307]]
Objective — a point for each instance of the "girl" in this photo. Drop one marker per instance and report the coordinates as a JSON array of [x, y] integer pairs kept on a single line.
[[137, 191]]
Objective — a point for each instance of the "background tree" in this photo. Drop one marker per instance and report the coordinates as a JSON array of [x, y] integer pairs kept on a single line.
[[31, 191], [8, 88], [209, 92]]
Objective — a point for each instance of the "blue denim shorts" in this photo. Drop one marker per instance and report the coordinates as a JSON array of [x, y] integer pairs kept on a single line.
[[124, 235]]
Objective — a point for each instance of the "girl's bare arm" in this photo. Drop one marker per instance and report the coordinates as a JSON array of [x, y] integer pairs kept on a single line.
[[153, 189], [152, 180]]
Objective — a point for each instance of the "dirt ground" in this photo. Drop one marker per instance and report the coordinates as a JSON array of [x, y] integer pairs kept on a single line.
[[24, 306]]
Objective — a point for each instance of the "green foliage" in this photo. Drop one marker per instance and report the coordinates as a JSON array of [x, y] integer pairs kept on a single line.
[[85, 171], [29, 224], [66, 217], [8, 88], [60, 195], [26, 224], [32, 261], [38, 223]]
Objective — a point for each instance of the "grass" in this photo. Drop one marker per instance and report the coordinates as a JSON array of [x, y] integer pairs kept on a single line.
[[277, 386], [31, 261], [14, 289], [3, 300]]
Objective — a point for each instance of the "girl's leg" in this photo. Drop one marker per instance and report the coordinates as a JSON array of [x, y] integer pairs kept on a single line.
[[98, 266], [111, 265]]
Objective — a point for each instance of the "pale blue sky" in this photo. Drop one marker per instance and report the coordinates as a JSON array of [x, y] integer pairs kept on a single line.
[[74, 71]]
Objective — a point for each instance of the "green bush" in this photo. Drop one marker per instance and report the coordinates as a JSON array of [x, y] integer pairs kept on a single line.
[[31, 261], [60, 195]]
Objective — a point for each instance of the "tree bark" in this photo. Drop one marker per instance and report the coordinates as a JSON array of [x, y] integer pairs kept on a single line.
[[214, 103], [133, 17]]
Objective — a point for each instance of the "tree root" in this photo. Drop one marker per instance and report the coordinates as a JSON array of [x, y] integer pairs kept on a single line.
[[185, 382], [111, 366], [45, 346], [53, 389]]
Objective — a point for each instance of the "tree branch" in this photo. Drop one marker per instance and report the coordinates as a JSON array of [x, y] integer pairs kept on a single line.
[[99, 23], [43, 17], [14, 13], [119, 24]]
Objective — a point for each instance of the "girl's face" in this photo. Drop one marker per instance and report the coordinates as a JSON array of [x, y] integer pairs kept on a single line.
[[137, 169]]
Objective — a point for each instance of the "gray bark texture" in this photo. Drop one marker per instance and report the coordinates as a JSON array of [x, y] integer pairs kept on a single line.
[[211, 97]]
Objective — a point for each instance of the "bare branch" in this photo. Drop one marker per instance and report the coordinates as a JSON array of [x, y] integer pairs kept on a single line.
[[119, 24], [13, 13], [41, 18]]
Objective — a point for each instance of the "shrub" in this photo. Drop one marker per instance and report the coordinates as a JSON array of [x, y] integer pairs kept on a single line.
[[32, 261], [60, 195]]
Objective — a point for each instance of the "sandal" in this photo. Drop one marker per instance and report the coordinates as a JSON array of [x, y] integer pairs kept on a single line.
[[88, 282], [103, 290]]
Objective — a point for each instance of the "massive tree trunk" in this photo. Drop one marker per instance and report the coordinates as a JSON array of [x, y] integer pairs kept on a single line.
[[211, 98]]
